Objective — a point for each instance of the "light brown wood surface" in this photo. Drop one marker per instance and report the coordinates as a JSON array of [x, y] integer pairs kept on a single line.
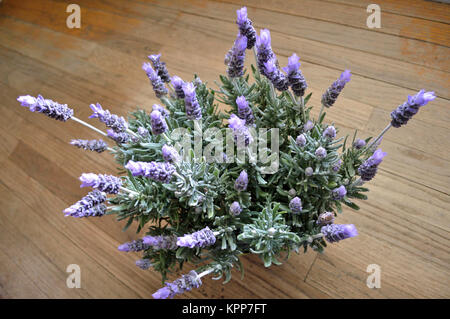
[[404, 226]]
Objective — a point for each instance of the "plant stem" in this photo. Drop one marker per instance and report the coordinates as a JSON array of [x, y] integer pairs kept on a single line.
[[132, 133], [321, 111], [88, 125], [204, 273], [378, 137], [255, 54], [128, 190]]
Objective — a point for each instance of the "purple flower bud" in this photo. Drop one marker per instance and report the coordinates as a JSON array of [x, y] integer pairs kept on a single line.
[[157, 83], [170, 154], [300, 140], [91, 145], [246, 27], [142, 131], [160, 67], [179, 286], [326, 218], [237, 57], [235, 209], [144, 264], [337, 166], [106, 183], [161, 242], [264, 50], [119, 137], [52, 109], [309, 171], [178, 83], [240, 131], [275, 76], [330, 96], [244, 110], [159, 125], [402, 114], [83, 207], [308, 126], [329, 132], [336, 232], [118, 124], [295, 205], [201, 239], [241, 182], [368, 169], [193, 110], [339, 192], [359, 144], [321, 153], [295, 76], [161, 172], [135, 245]]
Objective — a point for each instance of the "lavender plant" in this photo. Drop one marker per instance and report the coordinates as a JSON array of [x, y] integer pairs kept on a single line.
[[190, 209]]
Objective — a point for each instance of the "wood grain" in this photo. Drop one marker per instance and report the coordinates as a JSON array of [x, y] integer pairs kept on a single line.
[[404, 226]]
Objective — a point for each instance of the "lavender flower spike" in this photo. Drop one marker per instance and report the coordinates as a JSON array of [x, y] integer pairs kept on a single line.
[[300, 140], [160, 109], [201, 238], [402, 114], [161, 242], [295, 205], [295, 76], [193, 110], [241, 182], [178, 83], [135, 245], [264, 50], [246, 27], [170, 154], [369, 168], [240, 130], [308, 126], [321, 153], [91, 145], [330, 95], [235, 209], [120, 138], [339, 192], [161, 172], [83, 207], [144, 264], [336, 232], [329, 132], [179, 286], [157, 83], [326, 218], [142, 131], [160, 67], [105, 183], [275, 76], [159, 125], [237, 57], [52, 109], [118, 124], [244, 110], [359, 144]]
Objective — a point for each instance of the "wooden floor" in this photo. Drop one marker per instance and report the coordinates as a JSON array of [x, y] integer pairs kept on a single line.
[[404, 226]]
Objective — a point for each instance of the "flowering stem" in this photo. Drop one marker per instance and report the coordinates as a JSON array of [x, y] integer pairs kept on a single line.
[[164, 135], [110, 149], [128, 190], [302, 106], [204, 273], [378, 137], [88, 125], [255, 54], [358, 182], [132, 133], [321, 111]]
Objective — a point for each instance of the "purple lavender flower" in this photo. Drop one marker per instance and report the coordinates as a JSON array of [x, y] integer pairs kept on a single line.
[[264, 50], [368, 169], [329, 132], [161, 242], [106, 183], [170, 154], [118, 124], [244, 110], [235, 209], [178, 83], [295, 205], [326, 218], [337, 166], [241, 182], [179, 286], [240, 130], [144, 264], [91, 145], [142, 131], [275, 76], [157, 83], [52, 109], [336, 232], [321, 153], [237, 57], [295, 76], [193, 110], [309, 171], [83, 207], [159, 125], [135, 245], [161, 172], [160, 67], [402, 114], [308, 126], [121, 138], [300, 140], [359, 144], [330, 95], [201, 239], [160, 109], [246, 27], [339, 192]]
